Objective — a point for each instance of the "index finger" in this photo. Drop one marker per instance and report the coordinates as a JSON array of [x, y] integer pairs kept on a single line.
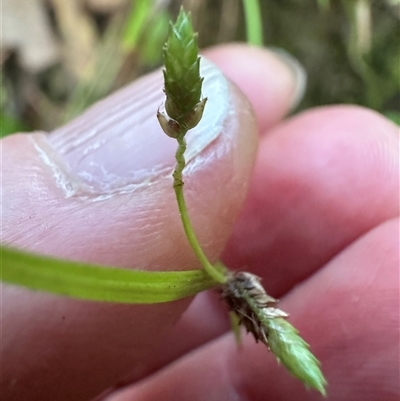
[[322, 179]]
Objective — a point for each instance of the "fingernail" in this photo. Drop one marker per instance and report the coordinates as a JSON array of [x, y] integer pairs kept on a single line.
[[118, 144], [298, 73]]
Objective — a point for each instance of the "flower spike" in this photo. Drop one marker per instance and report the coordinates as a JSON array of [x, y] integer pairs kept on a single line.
[[182, 74]]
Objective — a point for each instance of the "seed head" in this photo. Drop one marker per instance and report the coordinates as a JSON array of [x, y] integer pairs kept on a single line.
[[257, 312], [182, 81]]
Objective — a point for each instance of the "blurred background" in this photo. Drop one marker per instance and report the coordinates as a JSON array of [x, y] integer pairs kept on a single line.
[[60, 56]]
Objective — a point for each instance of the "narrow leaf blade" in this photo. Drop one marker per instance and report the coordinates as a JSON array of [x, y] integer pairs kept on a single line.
[[98, 283]]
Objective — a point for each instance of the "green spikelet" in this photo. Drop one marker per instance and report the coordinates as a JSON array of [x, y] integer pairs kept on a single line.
[[258, 313], [290, 349], [182, 79]]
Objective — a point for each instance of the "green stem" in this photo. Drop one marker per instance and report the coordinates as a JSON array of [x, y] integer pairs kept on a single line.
[[187, 225], [253, 22]]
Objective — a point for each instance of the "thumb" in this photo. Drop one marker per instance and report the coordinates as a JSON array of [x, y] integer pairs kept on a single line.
[[100, 190]]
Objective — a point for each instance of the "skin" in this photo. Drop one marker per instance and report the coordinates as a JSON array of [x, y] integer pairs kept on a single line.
[[319, 224]]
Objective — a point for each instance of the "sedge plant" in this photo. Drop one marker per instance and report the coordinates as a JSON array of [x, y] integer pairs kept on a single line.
[[247, 301]]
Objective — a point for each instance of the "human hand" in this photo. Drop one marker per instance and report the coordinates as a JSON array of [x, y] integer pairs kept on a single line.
[[320, 214]]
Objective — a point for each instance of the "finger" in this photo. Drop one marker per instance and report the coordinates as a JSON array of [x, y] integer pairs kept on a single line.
[[348, 312], [321, 180], [273, 81], [302, 210], [100, 190]]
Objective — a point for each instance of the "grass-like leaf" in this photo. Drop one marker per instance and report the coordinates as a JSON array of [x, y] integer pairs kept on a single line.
[[99, 283], [136, 22]]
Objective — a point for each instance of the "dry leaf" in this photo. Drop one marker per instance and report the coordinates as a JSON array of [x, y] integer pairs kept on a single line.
[[26, 29], [105, 6]]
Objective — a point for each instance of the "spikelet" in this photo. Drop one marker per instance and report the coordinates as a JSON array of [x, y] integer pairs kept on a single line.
[[294, 353], [182, 81], [257, 312]]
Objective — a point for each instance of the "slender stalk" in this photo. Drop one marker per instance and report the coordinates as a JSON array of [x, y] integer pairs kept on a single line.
[[187, 225], [253, 22]]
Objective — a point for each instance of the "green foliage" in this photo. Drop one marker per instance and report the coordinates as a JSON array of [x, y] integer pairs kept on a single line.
[[343, 66], [99, 283], [142, 33], [9, 125], [135, 24], [324, 5], [154, 39], [349, 48], [394, 116]]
